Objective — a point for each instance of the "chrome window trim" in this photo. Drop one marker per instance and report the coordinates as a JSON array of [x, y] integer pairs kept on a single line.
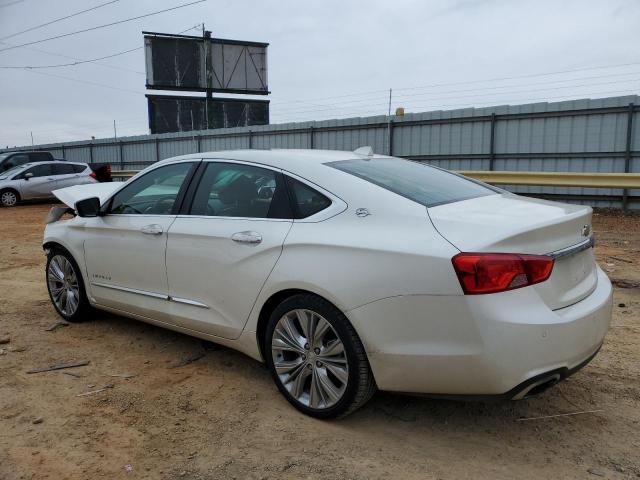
[[573, 249], [252, 219], [337, 204], [141, 173]]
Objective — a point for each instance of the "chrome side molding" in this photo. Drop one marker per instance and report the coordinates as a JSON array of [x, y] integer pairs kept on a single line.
[[186, 301], [160, 296], [131, 290]]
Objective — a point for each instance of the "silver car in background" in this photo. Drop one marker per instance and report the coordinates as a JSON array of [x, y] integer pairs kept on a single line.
[[33, 181]]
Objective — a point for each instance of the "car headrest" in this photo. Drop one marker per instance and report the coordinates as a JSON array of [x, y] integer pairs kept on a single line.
[[242, 189]]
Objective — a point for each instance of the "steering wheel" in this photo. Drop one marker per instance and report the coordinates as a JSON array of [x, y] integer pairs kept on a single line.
[[128, 209], [161, 206]]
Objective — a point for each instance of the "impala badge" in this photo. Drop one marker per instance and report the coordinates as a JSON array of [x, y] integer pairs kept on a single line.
[[586, 230], [362, 212]]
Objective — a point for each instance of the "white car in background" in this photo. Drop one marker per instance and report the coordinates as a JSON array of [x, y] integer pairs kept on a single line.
[[35, 181], [343, 271]]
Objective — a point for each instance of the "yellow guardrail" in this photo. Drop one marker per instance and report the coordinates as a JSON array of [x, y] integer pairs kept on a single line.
[[546, 179], [557, 179]]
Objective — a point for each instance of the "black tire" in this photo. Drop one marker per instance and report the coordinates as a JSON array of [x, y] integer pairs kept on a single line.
[[83, 310], [9, 197], [360, 384]]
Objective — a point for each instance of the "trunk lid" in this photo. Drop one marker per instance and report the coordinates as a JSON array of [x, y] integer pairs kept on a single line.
[[508, 223]]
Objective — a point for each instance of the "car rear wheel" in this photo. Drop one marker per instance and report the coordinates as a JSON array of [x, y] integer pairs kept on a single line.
[[316, 358], [9, 198], [65, 286]]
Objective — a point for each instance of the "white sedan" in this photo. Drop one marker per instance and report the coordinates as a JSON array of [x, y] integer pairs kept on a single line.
[[344, 271]]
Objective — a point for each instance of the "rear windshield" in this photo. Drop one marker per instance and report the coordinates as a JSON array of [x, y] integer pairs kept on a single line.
[[419, 182]]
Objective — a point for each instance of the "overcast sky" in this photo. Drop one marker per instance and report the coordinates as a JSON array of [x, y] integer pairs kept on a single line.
[[327, 59]]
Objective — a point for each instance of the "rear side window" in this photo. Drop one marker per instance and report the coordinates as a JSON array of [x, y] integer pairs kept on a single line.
[[62, 169], [306, 200], [238, 190], [421, 183], [79, 168]]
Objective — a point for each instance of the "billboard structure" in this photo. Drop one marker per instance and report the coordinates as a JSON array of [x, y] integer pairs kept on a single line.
[[183, 114], [210, 65]]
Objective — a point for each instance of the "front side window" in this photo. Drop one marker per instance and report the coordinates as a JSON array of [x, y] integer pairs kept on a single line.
[[43, 170], [154, 193], [426, 185], [237, 190]]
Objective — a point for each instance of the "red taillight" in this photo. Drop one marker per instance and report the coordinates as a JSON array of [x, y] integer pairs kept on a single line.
[[496, 272], [93, 175]]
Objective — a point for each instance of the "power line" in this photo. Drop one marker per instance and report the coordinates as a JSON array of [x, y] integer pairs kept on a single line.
[[61, 55], [474, 95], [2, 5], [80, 61], [87, 82], [423, 108], [294, 108], [59, 19], [77, 80], [71, 64], [103, 26], [495, 79], [558, 72]]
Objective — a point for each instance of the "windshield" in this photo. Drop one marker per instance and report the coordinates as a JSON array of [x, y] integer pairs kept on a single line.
[[424, 184], [3, 156], [11, 171]]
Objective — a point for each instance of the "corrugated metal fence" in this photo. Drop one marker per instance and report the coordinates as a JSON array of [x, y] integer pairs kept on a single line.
[[573, 136]]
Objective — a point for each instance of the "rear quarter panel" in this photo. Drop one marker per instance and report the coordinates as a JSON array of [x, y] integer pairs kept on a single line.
[[352, 261]]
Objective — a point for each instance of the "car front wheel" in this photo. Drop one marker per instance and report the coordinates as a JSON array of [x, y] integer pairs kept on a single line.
[[316, 358], [65, 286], [8, 198]]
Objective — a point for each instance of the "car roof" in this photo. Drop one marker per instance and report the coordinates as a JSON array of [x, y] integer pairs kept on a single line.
[[298, 161], [53, 162]]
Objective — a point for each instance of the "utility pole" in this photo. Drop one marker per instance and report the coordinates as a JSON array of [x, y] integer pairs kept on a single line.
[[389, 125], [206, 37], [115, 132], [31, 139]]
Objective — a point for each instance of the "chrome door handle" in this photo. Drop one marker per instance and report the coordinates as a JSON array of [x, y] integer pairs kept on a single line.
[[153, 229], [246, 237]]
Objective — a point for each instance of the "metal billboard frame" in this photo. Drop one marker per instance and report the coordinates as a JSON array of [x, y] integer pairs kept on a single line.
[[216, 78], [208, 109]]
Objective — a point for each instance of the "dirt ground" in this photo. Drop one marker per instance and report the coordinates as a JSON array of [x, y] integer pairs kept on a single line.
[[221, 416]]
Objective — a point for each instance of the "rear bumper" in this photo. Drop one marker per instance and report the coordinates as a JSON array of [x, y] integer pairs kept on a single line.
[[507, 345]]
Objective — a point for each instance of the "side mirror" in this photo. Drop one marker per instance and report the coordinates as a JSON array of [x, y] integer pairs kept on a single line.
[[27, 176], [89, 207]]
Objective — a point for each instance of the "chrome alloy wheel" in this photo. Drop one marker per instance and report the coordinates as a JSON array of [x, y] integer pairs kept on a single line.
[[8, 199], [63, 285], [310, 359]]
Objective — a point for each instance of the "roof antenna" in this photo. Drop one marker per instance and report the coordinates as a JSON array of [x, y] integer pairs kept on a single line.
[[368, 151]]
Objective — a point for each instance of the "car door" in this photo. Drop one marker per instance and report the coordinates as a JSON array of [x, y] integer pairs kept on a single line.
[[222, 249], [125, 246], [65, 174], [36, 182]]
